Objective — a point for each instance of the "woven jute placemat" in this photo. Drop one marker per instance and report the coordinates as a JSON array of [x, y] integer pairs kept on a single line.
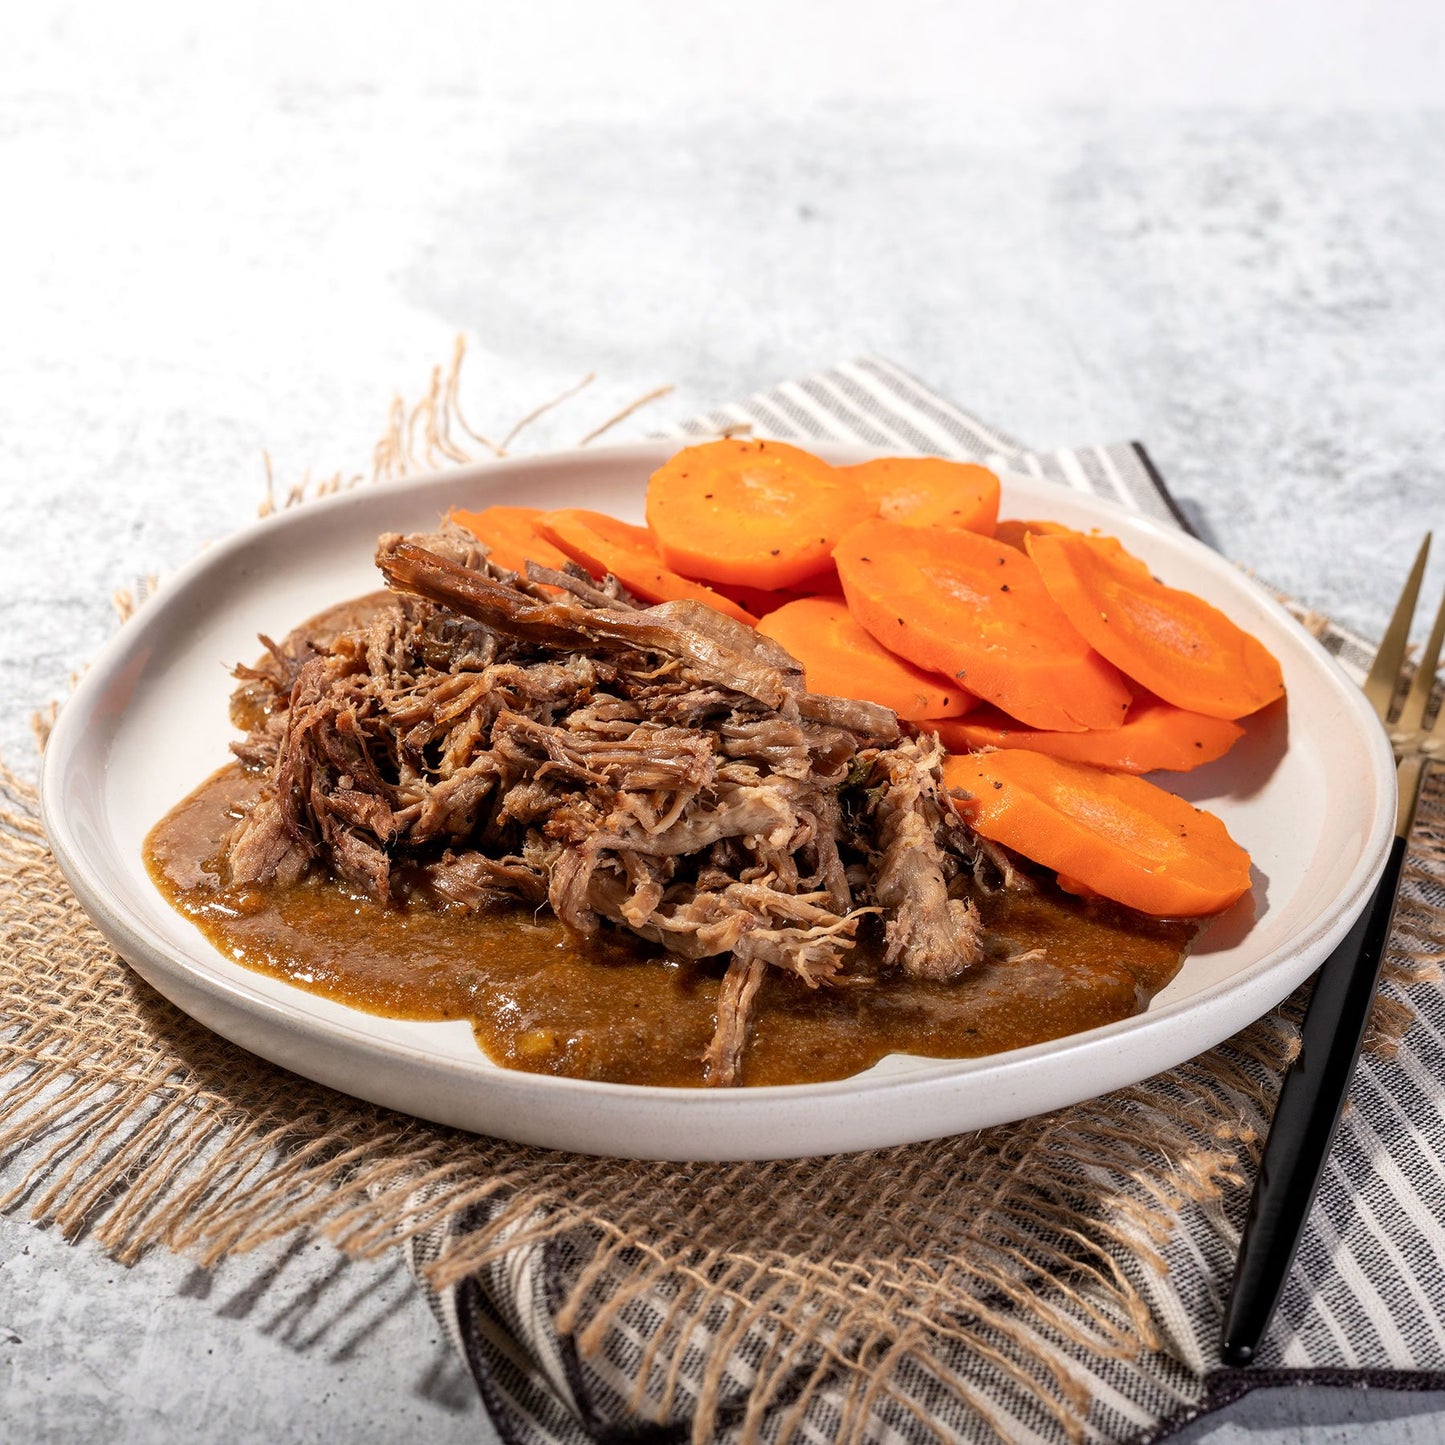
[[1020, 1251]]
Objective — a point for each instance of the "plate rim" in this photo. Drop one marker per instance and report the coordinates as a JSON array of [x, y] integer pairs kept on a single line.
[[126, 928]]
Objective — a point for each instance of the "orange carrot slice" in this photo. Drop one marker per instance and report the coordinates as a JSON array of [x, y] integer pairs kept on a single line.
[[1116, 835], [1013, 531], [842, 659], [1016, 534], [603, 544], [930, 492], [1155, 735], [511, 536], [757, 513], [761, 601], [1171, 642], [976, 610]]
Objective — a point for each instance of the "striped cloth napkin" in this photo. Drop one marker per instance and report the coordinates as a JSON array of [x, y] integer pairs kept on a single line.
[[1366, 1300]]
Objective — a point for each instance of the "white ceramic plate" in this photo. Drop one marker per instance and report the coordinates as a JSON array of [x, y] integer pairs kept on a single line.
[[1310, 794]]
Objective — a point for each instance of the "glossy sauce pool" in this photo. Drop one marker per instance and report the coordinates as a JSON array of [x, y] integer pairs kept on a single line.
[[614, 1009]]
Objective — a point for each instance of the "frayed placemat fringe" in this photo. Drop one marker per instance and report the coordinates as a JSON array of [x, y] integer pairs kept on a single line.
[[433, 433]]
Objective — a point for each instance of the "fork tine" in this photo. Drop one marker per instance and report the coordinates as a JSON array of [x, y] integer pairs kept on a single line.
[[1412, 715], [1385, 672]]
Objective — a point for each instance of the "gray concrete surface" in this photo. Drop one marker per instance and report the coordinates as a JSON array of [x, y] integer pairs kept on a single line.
[[292, 1344], [1219, 232]]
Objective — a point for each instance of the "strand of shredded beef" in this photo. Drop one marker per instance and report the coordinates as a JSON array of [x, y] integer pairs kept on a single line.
[[661, 768]]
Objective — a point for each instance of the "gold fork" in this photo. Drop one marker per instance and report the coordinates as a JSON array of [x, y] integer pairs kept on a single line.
[[1414, 745], [1312, 1094]]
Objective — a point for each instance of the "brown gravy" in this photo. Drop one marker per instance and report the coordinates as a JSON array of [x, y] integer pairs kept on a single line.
[[541, 1000]]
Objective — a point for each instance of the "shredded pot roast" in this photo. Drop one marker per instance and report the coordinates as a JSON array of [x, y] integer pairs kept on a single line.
[[482, 738]]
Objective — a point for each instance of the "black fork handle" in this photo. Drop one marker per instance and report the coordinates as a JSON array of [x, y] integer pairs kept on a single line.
[[1311, 1099]]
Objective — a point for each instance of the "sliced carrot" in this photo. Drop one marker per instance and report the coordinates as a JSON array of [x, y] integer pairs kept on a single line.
[[1016, 534], [1155, 735], [603, 544], [840, 658], [1113, 834], [756, 513], [762, 600], [511, 536], [1171, 642], [976, 610], [930, 492], [1013, 531]]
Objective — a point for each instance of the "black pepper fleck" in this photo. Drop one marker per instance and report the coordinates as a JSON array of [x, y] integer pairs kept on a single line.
[[775, 551], [1004, 588], [998, 785]]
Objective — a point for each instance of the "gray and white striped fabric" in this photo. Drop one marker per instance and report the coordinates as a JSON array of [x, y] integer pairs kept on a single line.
[[1366, 1299]]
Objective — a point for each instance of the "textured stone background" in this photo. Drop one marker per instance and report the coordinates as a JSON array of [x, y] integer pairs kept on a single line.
[[1220, 232]]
